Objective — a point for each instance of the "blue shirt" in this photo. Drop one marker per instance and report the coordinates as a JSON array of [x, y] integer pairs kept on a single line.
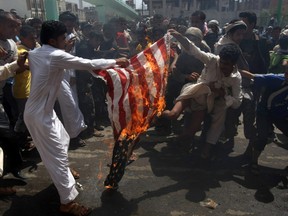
[[270, 83]]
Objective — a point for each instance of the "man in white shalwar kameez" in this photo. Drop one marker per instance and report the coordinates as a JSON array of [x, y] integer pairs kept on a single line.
[[224, 80], [47, 65]]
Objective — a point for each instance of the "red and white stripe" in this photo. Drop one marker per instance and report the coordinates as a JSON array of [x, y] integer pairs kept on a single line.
[[134, 92]]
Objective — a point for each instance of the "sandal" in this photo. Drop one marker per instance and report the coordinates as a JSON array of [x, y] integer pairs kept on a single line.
[[74, 208], [75, 174], [7, 191], [98, 134]]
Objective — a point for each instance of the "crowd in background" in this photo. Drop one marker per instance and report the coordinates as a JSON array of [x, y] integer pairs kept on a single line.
[[262, 50]]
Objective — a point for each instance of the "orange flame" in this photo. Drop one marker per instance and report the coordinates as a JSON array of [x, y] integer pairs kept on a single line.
[[100, 174], [151, 96]]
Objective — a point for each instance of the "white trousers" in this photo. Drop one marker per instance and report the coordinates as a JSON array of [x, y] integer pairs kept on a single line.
[[218, 115], [52, 142]]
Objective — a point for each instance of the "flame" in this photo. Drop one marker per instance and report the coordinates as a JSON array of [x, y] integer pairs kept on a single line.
[[148, 96], [100, 174], [146, 91]]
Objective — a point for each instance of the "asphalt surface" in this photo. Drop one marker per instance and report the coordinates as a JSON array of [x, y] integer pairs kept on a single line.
[[165, 180]]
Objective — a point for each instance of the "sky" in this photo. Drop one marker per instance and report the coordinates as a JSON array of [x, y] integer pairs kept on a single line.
[[138, 4]]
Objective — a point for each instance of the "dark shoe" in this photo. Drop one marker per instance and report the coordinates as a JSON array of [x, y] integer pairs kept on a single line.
[[77, 141], [18, 174]]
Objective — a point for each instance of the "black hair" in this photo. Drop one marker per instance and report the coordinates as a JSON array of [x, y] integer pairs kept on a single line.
[[51, 30], [173, 20], [108, 27], [34, 21], [251, 16], [94, 34], [158, 29], [68, 16], [199, 14], [158, 16], [234, 29], [141, 31], [182, 21], [230, 53], [4, 15], [84, 25], [26, 30]]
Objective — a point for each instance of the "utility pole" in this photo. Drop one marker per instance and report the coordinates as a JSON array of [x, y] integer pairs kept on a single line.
[[52, 11], [279, 12]]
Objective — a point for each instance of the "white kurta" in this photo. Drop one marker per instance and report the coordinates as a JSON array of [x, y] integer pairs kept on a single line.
[[72, 116], [47, 66]]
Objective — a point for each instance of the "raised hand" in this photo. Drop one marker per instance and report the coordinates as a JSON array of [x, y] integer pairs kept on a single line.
[[21, 62], [22, 59]]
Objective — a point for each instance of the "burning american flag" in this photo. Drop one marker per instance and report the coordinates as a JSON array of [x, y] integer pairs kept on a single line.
[[135, 96]]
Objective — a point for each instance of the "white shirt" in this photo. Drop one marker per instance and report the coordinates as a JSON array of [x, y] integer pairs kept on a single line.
[[47, 66], [8, 65]]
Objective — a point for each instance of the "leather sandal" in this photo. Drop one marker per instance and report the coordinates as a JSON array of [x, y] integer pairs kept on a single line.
[[74, 208], [75, 174]]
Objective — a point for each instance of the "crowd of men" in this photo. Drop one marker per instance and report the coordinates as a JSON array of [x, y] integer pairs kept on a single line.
[[216, 74]]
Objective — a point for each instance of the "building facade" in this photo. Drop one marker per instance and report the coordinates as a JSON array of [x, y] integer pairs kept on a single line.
[[222, 10], [26, 8]]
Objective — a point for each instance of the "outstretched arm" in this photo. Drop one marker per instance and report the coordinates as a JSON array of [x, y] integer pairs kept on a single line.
[[10, 69], [179, 37], [191, 48], [122, 62], [246, 74]]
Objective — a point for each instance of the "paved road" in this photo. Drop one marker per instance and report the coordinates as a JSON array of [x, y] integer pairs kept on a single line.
[[165, 180]]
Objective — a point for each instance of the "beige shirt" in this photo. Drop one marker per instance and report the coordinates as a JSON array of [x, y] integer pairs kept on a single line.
[[211, 73]]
